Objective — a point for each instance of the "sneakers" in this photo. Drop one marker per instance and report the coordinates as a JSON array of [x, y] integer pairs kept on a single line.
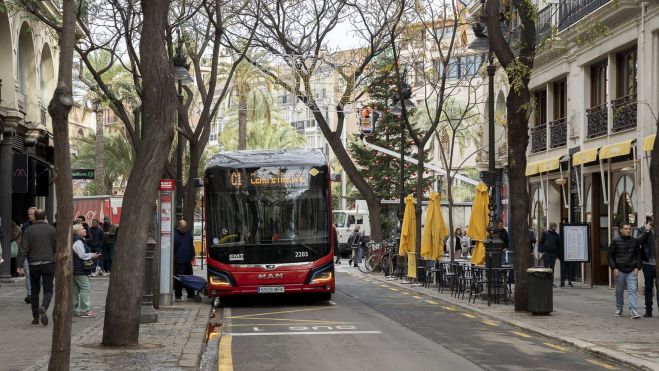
[[43, 317], [618, 313], [647, 315], [88, 315], [93, 274], [635, 315], [179, 299], [570, 284]]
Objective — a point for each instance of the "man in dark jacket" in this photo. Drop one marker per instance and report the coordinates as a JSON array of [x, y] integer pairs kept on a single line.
[[355, 241], [95, 242], [183, 256], [649, 260], [110, 232], [550, 246], [38, 246], [625, 260]]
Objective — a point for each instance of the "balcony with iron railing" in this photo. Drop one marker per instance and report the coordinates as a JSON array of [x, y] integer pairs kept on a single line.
[[546, 19], [558, 133], [539, 138], [624, 113], [572, 11], [597, 121]]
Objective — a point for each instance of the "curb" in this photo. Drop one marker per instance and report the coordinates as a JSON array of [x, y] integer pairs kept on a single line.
[[594, 349]]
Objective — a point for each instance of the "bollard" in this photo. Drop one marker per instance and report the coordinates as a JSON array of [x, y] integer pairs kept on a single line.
[[147, 313]]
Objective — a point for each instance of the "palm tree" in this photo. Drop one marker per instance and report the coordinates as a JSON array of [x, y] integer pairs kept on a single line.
[[263, 135], [118, 160]]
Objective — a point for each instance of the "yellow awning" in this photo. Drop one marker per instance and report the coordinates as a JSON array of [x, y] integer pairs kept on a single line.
[[616, 149], [585, 156], [549, 165], [531, 168], [648, 142]]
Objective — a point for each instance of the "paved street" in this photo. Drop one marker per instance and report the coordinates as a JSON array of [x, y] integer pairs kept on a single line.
[[371, 325]]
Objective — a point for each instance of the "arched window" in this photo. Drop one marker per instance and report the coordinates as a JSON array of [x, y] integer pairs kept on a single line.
[[623, 202]]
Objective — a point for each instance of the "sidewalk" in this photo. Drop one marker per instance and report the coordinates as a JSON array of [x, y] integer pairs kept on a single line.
[[582, 317], [175, 342]]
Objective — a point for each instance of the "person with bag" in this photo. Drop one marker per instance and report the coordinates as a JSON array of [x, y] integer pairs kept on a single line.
[[83, 262], [354, 241], [550, 246]]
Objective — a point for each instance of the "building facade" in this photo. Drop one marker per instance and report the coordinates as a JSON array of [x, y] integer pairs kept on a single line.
[[28, 65], [595, 88]]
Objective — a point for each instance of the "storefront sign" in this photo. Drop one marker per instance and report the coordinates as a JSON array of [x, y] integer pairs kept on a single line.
[[20, 173], [83, 174]]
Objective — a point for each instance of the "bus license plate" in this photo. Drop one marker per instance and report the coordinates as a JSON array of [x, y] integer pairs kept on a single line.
[[270, 289]]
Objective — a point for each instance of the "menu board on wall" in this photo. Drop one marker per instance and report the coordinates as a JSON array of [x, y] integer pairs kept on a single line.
[[576, 242]]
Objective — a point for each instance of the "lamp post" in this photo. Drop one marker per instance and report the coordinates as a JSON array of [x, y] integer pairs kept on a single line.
[[493, 244], [397, 109], [182, 77]]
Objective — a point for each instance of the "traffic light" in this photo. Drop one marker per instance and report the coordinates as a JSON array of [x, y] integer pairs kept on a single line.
[[368, 117]]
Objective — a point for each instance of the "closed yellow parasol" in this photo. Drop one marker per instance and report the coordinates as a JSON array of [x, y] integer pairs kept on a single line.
[[408, 230], [434, 230], [478, 223]]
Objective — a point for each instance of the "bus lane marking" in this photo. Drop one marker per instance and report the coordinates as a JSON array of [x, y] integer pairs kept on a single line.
[[417, 297], [557, 347], [293, 323], [450, 309], [602, 364], [431, 302], [224, 359], [490, 323], [284, 333], [521, 334], [278, 312], [469, 315]]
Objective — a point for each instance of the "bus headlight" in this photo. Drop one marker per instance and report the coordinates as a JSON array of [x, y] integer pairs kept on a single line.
[[322, 276], [219, 280]]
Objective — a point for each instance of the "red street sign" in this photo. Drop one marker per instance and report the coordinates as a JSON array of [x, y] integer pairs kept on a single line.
[[167, 184]]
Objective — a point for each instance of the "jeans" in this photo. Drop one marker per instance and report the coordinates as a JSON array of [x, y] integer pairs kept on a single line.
[[631, 279], [185, 268], [549, 260], [41, 274], [650, 273], [26, 270], [567, 271], [108, 251], [81, 294]]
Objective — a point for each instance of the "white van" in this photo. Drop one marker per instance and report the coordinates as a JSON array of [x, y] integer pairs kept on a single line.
[[345, 221]]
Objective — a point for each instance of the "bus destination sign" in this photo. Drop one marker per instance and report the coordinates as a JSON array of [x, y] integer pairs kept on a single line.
[[269, 178]]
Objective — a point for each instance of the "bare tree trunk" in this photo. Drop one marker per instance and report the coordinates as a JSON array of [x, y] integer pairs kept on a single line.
[[190, 201], [419, 201], [99, 174], [242, 121], [59, 108], [122, 314], [449, 197]]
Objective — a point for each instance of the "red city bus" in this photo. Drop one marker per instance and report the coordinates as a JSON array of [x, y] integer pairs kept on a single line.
[[268, 220]]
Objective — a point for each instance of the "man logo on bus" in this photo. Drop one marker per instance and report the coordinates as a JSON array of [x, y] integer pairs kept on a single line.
[[235, 179], [270, 276]]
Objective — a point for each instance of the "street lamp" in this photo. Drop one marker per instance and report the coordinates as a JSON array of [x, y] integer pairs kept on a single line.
[[493, 245], [397, 110], [182, 77]]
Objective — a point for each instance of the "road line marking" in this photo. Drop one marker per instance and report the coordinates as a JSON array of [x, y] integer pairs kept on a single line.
[[490, 323], [224, 360], [602, 364], [521, 334], [280, 312], [469, 315], [452, 309], [293, 323], [416, 297], [285, 333], [385, 286], [320, 322], [404, 293], [431, 302], [393, 289], [557, 347]]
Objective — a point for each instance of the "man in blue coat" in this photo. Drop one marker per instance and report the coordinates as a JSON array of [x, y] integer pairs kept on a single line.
[[183, 256]]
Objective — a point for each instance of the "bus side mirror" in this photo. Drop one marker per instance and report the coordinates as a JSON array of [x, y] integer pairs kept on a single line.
[[198, 182]]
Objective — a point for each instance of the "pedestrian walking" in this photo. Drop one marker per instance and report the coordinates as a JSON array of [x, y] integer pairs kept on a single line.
[[337, 252], [94, 241], [649, 260], [110, 232], [81, 287], [38, 247], [549, 246], [183, 256], [354, 241], [625, 260], [457, 243], [26, 267]]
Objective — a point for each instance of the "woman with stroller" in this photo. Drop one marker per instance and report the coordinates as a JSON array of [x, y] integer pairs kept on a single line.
[[81, 288]]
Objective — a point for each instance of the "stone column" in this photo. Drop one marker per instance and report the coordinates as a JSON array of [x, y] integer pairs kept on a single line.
[[9, 125]]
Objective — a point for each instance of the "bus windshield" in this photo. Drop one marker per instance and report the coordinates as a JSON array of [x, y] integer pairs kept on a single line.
[[267, 214]]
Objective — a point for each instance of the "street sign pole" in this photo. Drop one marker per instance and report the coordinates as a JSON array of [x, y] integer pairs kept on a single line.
[[167, 200]]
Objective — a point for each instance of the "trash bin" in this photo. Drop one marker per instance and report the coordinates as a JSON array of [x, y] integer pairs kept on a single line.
[[540, 290]]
